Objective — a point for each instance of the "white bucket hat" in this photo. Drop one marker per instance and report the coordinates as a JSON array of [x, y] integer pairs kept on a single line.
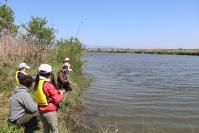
[[23, 65], [45, 68]]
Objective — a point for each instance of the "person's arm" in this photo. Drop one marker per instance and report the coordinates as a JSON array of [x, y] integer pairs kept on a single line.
[[53, 93], [28, 103]]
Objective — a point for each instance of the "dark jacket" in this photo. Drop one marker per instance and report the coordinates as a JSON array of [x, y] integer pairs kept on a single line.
[[21, 102], [62, 79]]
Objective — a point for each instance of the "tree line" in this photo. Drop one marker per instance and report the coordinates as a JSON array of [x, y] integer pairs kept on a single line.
[[36, 32]]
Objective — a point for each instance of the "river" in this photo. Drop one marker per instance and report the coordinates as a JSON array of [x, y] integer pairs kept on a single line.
[[142, 93]]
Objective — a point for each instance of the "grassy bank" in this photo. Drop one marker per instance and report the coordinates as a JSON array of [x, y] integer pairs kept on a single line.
[[34, 42], [14, 51], [150, 51]]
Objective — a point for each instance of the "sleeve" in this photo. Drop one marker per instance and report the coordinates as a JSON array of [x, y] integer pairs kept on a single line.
[[29, 104], [54, 94]]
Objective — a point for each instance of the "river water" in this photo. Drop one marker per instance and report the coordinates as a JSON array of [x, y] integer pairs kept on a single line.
[[142, 93]]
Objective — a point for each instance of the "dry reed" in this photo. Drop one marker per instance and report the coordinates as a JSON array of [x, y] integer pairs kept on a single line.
[[12, 48]]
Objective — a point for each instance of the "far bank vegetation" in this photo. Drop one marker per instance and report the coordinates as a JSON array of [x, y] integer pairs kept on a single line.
[[179, 51]]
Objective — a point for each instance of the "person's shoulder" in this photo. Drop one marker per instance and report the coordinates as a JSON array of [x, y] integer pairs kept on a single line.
[[25, 93], [60, 71], [49, 88], [48, 84], [23, 96]]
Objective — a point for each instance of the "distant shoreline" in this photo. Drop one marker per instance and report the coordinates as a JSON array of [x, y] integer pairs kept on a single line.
[[148, 51]]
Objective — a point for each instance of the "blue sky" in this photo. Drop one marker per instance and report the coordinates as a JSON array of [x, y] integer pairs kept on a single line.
[[118, 23]]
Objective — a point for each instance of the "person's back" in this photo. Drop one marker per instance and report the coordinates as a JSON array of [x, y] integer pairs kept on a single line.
[[63, 81], [21, 102], [47, 97], [22, 109], [62, 76]]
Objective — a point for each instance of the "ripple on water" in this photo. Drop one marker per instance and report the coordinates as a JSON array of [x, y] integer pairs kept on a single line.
[[157, 92]]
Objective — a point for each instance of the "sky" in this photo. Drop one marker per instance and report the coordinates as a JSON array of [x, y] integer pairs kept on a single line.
[[137, 24]]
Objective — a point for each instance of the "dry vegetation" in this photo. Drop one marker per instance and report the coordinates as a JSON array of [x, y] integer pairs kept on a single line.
[[14, 51], [12, 48]]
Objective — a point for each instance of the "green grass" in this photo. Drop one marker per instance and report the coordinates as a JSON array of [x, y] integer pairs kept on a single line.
[[68, 112], [13, 129]]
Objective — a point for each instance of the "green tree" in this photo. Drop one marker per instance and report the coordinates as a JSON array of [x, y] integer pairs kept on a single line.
[[7, 20], [37, 32]]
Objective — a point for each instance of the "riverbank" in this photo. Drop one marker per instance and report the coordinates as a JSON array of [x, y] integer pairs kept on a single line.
[[11, 55], [149, 51]]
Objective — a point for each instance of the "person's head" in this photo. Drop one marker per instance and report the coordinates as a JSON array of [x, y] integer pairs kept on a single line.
[[23, 67], [66, 60], [45, 70], [27, 81]]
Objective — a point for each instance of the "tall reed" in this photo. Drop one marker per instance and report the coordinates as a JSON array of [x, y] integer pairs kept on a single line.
[[14, 51], [12, 48]]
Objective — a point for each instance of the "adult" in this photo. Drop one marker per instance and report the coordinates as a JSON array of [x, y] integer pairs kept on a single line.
[[21, 72], [63, 81], [47, 97], [23, 110], [66, 63]]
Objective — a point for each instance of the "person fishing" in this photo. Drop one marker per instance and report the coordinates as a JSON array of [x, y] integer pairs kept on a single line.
[[21, 72], [66, 62], [47, 97], [63, 81], [23, 111]]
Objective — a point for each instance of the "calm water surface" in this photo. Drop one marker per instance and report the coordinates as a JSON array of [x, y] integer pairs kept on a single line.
[[143, 93]]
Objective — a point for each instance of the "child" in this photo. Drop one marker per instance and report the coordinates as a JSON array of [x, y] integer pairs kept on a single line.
[[47, 97], [22, 68]]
